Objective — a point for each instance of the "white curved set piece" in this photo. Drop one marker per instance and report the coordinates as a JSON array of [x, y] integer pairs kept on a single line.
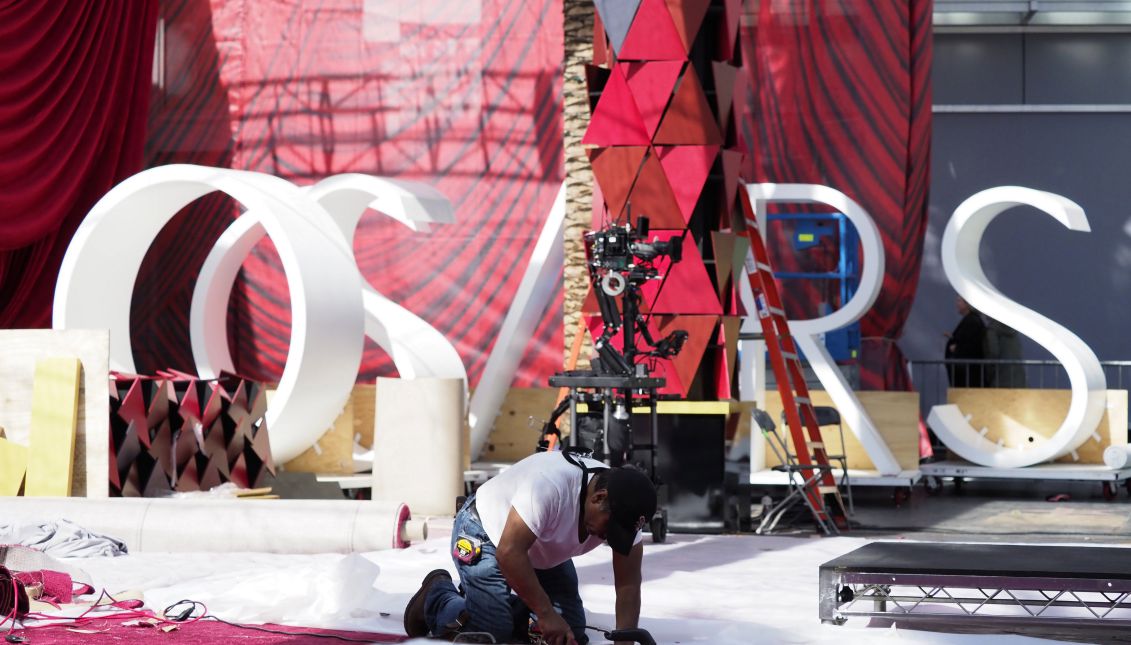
[[332, 308], [416, 348], [808, 333], [963, 269]]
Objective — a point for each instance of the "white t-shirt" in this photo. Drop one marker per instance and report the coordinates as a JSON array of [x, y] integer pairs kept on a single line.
[[545, 490]]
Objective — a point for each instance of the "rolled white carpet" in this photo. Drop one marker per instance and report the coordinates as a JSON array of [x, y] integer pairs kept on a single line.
[[208, 525]]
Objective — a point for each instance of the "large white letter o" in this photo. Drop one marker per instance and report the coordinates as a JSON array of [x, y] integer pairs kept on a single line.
[[96, 282]]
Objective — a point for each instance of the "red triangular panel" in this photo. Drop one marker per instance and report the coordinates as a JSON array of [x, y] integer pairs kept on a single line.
[[689, 119], [615, 169], [688, 17], [724, 259], [732, 165], [616, 18], [652, 196], [189, 479], [727, 40], [726, 76], [664, 368], [599, 215], [596, 327], [700, 332], [686, 287], [729, 330], [728, 338], [653, 35], [600, 42], [687, 168], [589, 304], [651, 85], [616, 121]]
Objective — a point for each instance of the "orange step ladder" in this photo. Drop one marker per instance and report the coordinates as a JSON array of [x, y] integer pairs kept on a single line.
[[821, 492]]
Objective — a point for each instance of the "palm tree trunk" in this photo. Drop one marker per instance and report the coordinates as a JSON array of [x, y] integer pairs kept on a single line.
[[578, 28]]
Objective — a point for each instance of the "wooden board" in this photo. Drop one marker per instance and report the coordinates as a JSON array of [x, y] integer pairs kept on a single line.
[[13, 465], [332, 454], [19, 351], [364, 402], [516, 430], [54, 421], [896, 415], [1015, 415], [418, 443]]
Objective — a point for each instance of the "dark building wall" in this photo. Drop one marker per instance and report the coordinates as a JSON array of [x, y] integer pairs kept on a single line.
[[1048, 111]]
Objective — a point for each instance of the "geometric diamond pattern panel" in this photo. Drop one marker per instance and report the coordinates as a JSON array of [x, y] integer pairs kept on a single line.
[[174, 432]]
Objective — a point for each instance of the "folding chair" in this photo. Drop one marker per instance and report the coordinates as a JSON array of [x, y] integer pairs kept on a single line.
[[800, 478]]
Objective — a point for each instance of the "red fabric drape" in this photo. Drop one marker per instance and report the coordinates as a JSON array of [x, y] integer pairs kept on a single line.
[[464, 96], [839, 94], [74, 93]]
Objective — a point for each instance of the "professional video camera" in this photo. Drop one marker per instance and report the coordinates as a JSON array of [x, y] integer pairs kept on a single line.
[[621, 251], [620, 260]]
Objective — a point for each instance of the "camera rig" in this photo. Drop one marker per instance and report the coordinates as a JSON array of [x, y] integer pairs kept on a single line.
[[620, 261]]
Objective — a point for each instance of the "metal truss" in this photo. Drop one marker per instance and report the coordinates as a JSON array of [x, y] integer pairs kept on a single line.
[[975, 599]]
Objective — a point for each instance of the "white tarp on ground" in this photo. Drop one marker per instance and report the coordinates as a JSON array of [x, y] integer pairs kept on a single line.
[[722, 590]]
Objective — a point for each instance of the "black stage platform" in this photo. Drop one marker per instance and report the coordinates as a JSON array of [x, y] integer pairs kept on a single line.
[[979, 583]]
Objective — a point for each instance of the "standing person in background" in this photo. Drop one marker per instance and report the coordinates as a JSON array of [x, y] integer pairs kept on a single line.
[[1003, 343], [966, 342]]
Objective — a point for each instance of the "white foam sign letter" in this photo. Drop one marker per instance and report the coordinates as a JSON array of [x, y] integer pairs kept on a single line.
[[963, 269], [808, 333]]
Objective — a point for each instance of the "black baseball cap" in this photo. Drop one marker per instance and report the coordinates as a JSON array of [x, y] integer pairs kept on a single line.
[[632, 503]]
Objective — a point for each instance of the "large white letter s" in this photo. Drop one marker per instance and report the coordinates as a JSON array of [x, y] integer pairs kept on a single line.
[[964, 271]]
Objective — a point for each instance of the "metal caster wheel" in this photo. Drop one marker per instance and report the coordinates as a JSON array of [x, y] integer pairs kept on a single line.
[[899, 496], [1109, 491]]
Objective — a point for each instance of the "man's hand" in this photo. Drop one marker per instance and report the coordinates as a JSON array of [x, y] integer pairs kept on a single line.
[[555, 630], [514, 562], [626, 579]]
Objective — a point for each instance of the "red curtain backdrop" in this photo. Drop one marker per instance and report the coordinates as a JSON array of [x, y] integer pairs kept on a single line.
[[461, 94], [74, 94], [839, 93]]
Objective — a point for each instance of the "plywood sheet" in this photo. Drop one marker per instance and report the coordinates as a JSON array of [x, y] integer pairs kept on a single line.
[[13, 465], [332, 454], [896, 415], [519, 423], [54, 421], [19, 351], [1015, 415], [418, 443], [363, 400]]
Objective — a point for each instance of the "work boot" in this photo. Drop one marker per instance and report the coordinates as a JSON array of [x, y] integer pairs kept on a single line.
[[414, 623]]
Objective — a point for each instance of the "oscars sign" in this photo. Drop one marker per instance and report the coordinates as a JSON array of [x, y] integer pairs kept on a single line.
[[961, 264], [960, 244], [332, 307]]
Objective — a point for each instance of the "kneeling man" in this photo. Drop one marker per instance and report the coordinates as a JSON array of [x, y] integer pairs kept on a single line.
[[519, 532]]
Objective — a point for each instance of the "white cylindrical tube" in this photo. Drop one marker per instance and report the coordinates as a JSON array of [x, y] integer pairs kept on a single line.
[[1117, 456], [210, 525]]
